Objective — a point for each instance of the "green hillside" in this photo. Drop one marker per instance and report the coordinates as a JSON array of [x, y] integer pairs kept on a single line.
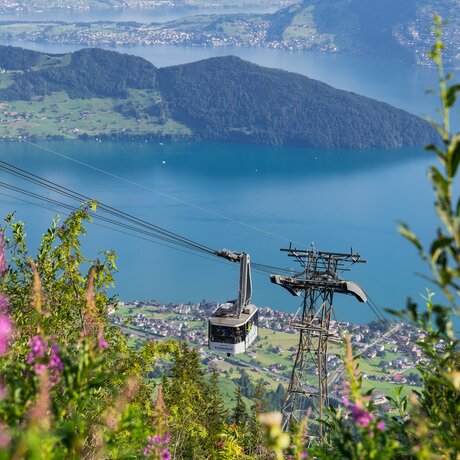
[[96, 93], [378, 29]]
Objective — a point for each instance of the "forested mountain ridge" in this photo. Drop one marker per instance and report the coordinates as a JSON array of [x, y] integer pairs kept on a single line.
[[85, 73], [224, 99], [231, 99]]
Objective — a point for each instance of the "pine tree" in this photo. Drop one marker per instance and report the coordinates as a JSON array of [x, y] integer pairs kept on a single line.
[[215, 411], [259, 406], [185, 398], [240, 413]]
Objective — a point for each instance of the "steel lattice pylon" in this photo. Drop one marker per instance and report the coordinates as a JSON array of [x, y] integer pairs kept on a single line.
[[318, 281]]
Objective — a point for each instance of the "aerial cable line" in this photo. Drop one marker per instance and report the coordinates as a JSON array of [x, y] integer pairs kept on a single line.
[[98, 217], [19, 172], [125, 232], [80, 197], [151, 229], [166, 195], [150, 240]]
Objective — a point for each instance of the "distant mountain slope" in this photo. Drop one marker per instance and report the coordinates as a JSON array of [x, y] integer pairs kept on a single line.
[[86, 73], [390, 29], [216, 99], [231, 99], [398, 30]]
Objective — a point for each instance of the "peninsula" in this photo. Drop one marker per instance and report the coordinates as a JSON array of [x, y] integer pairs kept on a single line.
[[105, 94]]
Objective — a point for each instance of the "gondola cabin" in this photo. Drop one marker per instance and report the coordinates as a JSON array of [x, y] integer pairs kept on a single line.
[[230, 334], [233, 326]]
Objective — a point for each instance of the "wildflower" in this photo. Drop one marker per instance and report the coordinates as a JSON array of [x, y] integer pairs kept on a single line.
[[37, 348], [39, 368], [361, 417], [44, 358], [6, 331], [55, 363], [380, 426], [102, 343], [304, 455], [158, 446]]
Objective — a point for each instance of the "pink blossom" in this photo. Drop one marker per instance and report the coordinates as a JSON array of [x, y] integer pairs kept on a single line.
[[37, 348], [102, 343], [39, 368], [158, 445], [42, 357], [361, 417], [6, 331], [381, 426]]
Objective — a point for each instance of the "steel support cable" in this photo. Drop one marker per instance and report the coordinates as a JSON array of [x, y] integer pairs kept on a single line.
[[149, 240], [170, 236], [18, 172], [183, 247], [97, 217]]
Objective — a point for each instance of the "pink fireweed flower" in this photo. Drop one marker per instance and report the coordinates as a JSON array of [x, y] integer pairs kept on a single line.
[[380, 426], [361, 417], [39, 368], [6, 331], [43, 358], [55, 365], [102, 343], [158, 446], [38, 348]]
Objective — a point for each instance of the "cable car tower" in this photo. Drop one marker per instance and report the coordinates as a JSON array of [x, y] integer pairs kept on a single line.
[[318, 280]]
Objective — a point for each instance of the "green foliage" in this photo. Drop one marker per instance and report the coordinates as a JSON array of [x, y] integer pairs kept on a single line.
[[233, 100], [70, 386], [428, 427], [12, 58], [90, 73], [240, 414], [224, 99]]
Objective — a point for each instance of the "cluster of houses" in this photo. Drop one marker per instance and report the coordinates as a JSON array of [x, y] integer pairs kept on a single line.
[[248, 33], [392, 356]]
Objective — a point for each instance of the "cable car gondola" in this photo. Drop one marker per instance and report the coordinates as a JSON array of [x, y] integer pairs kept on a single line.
[[233, 326]]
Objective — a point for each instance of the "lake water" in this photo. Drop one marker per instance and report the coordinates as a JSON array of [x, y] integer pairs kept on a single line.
[[338, 199]]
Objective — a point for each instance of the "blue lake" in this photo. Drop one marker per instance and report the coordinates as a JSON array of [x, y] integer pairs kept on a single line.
[[338, 199]]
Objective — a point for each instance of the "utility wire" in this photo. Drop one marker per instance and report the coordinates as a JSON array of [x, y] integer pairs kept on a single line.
[[147, 228]]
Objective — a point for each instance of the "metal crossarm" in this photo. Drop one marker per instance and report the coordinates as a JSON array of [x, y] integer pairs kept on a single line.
[[318, 281]]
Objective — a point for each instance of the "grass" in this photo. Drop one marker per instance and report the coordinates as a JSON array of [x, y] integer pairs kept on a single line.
[[58, 115], [6, 79]]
